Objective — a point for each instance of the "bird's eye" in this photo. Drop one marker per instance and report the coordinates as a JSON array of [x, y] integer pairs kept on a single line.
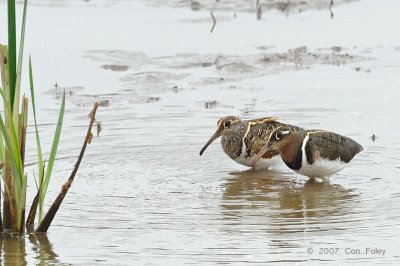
[[227, 124], [278, 135]]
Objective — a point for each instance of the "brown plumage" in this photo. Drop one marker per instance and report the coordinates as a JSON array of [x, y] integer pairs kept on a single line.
[[331, 146], [253, 134], [314, 153]]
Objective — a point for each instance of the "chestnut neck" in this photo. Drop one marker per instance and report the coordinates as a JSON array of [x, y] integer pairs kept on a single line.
[[290, 149]]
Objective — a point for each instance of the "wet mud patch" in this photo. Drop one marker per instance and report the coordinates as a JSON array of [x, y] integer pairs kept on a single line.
[[286, 6], [78, 97], [143, 79], [115, 67], [146, 76], [299, 57], [118, 58], [57, 90], [152, 81]]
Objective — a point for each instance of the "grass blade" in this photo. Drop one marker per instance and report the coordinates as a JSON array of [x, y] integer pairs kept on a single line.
[[19, 66], [39, 147], [2, 151], [56, 139], [12, 145], [12, 49], [51, 213]]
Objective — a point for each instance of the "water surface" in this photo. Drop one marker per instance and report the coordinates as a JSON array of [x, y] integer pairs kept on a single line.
[[143, 196]]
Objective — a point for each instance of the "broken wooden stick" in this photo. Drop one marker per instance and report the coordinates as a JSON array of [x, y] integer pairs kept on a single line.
[[48, 218], [214, 21], [330, 8], [258, 10]]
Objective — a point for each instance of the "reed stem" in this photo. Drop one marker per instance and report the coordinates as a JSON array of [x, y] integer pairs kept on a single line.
[[48, 218]]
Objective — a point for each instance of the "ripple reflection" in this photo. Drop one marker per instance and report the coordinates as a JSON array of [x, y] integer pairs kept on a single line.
[[282, 205]]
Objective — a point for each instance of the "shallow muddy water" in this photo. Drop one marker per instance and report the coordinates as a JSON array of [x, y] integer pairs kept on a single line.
[[143, 195]]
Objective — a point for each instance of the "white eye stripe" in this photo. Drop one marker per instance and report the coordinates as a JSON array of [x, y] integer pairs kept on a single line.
[[280, 134]]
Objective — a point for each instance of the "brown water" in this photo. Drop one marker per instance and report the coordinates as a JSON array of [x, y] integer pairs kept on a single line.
[[143, 196]]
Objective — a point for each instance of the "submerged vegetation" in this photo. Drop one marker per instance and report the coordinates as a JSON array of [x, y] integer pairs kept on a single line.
[[13, 128]]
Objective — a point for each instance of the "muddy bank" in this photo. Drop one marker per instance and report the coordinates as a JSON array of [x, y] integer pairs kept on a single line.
[[285, 6], [170, 73]]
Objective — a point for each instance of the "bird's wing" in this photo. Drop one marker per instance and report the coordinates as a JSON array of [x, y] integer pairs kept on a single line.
[[331, 145]]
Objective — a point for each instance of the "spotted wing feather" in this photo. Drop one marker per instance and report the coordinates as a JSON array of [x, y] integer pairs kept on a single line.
[[259, 135]]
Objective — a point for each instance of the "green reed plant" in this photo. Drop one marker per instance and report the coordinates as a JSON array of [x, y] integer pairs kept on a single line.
[[45, 172], [13, 127], [13, 133]]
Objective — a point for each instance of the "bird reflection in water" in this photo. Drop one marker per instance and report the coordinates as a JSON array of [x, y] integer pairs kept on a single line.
[[281, 204]]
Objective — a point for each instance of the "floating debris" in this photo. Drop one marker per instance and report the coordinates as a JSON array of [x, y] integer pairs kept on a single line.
[[366, 70], [153, 99], [104, 103], [175, 89], [210, 104], [98, 128]]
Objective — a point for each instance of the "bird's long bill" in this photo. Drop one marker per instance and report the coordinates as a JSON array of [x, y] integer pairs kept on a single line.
[[268, 147], [213, 137]]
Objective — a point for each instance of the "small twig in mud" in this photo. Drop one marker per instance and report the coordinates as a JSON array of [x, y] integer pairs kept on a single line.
[[214, 21], [330, 9], [30, 221], [259, 10], [48, 218]]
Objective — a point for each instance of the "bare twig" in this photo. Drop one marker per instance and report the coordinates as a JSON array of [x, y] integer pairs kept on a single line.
[[214, 22], [30, 221], [48, 218], [258, 10], [330, 8]]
